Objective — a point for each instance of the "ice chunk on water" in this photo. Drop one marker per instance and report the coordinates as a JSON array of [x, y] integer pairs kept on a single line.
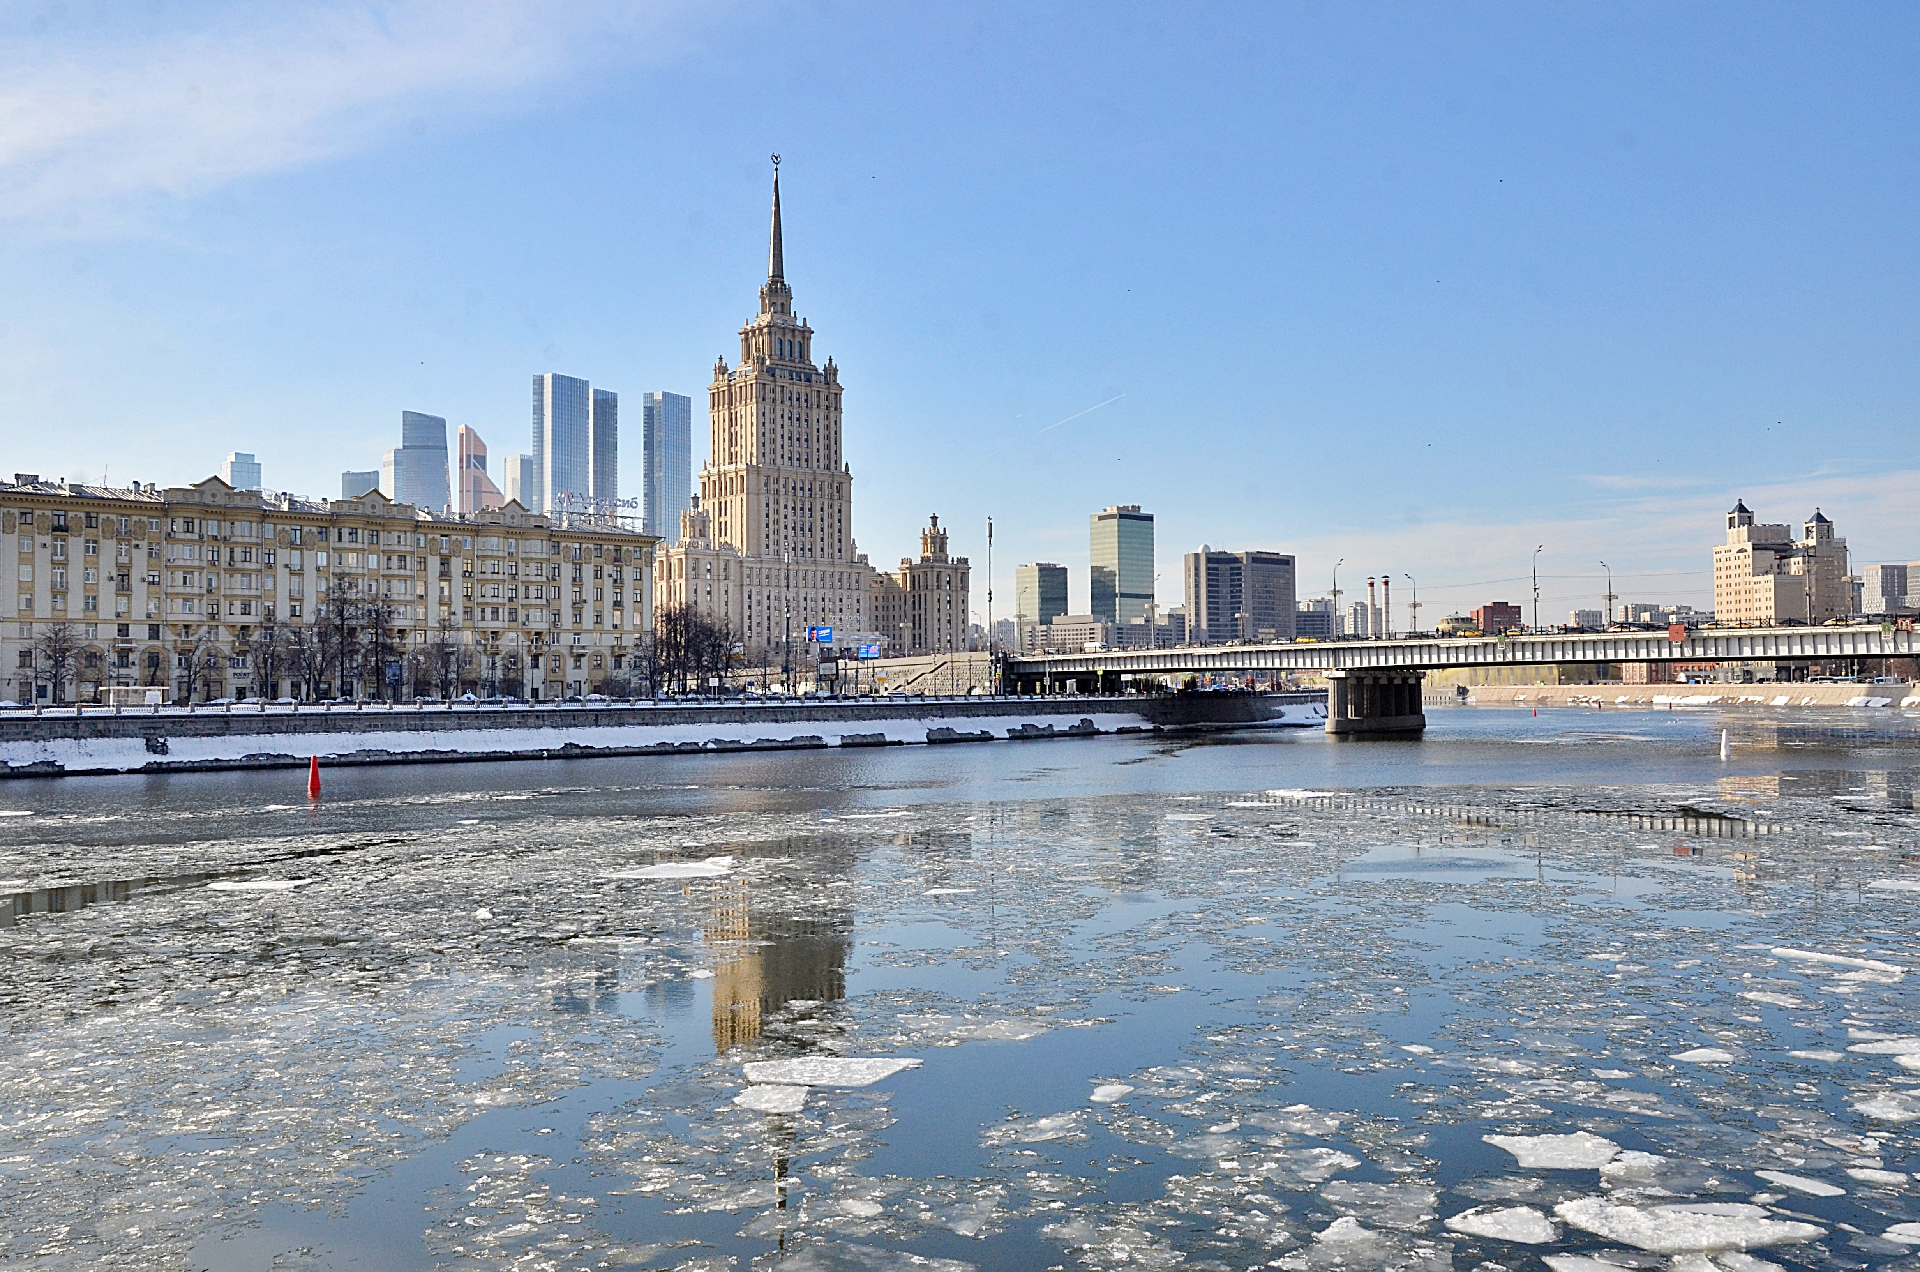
[[1825, 1057], [1706, 1055], [257, 885], [1523, 1224], [1771, 1000], [1418, 1049], [1835, 960], [713, 868], [1109, 1092], [1039, 1130], [1906, 1233], [1894, 1106], [1895, 885], [1580, 1263], [1868, 1175], [832, 1256], [1633, 1168], [946, 892], [1405, 1206], [1298, 1119], [833, 1071], [1684, 1229], [1578, 1151], [1800, 1184], [772, 1098], [1890, 1047]]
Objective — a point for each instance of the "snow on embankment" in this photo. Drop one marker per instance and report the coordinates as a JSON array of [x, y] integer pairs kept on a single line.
[[132, 754]]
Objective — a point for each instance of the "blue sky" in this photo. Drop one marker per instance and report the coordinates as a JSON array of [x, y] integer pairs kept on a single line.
[[1416, 286]]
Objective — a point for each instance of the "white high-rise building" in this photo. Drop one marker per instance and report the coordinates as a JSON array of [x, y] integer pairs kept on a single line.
[[517, 481]]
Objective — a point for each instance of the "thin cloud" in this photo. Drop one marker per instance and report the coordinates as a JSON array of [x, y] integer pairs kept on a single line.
[[1077, 414], [116, 114]]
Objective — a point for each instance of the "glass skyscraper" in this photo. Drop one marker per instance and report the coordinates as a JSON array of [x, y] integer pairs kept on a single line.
[[1121, 552], [666, 458], [565, 446], [416, 473]]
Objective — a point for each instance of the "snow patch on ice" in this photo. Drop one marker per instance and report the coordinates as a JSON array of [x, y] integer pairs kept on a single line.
[[1800, 1184], [1578, 1151], [1684, 1229], [773, 1098], [833, 1071], [1523, 1224], [1705, 1055]]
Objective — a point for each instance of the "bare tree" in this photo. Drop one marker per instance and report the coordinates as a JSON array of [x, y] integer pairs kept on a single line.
[[200, 665], [300, 655], [339, 634], [689, 648], [269, 652], [376, 635], [437, 663], [56, 652]]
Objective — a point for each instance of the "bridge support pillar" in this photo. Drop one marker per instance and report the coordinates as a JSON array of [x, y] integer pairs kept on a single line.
[[1369, 702]]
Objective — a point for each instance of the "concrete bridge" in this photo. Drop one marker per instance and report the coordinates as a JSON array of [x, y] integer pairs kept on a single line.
[[1374, 685]]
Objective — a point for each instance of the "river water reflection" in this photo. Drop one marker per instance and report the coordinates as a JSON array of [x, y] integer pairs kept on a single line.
[[1529, 992]]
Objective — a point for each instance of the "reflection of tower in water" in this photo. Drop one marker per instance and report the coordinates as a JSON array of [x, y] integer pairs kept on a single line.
[[778, 959]]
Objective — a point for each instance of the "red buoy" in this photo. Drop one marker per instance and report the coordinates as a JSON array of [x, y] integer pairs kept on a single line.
[[313, 777]]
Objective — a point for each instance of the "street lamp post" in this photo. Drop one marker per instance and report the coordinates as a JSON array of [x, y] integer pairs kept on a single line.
[[1413, 608], [1339, 628], [1536, 586], [1610, 596]]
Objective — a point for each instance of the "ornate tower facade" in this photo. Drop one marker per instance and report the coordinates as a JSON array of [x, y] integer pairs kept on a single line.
[[776, 487]]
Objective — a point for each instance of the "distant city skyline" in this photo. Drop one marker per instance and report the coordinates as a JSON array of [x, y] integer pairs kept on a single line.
[[1576, 276]]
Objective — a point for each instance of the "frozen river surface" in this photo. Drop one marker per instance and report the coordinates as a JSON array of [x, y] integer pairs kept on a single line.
[[1565, 992]]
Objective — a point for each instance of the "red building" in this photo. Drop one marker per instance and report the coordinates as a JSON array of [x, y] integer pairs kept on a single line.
[[1496, 616]]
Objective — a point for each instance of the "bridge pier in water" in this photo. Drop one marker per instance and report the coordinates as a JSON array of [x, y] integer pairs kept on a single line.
[[1370, 702]]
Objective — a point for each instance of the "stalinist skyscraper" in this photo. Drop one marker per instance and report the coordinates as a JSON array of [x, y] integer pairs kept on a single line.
[[770, 547]]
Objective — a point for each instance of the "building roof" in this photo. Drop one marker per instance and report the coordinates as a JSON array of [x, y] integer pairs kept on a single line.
[[1740, 505], [1819, 518]]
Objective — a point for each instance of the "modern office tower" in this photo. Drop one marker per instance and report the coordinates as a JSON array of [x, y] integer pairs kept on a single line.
[[241, 471], [666, 462], [1884, 589], [355, 484], [1313, 619], [562, 443], [603, 451], [1039, 592], [477, 492], [1239, 596], [517, 480], [416, 473], [1121, 551]]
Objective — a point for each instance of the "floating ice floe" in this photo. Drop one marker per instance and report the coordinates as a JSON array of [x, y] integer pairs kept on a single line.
[[773, 1097], [946, 892], [1633, 1168], [14, 812], [1685, 1229], [1578, 1151], [1836, 960], [1705, 1055], [1523, 1224], [1825, 1057], [1298, 1119], [1906, 1233], [1885, 1178], [1801, 1184], [711, 868], [483, 913], [257, 885], [1038, 1130], [1190, 817], [1771, 1000], [1895, 885], [1888, 1047], [1110, 1092], [831, 1256], [701, 973], [1417, 1049], [833, 1071], [1613, 1073], [1894, 1106]]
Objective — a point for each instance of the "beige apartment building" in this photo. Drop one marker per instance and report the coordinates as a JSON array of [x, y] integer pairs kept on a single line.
[[208, 592], [1763, 576]]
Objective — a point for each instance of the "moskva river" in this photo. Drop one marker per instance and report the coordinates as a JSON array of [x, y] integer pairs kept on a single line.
[[1568, 991]]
